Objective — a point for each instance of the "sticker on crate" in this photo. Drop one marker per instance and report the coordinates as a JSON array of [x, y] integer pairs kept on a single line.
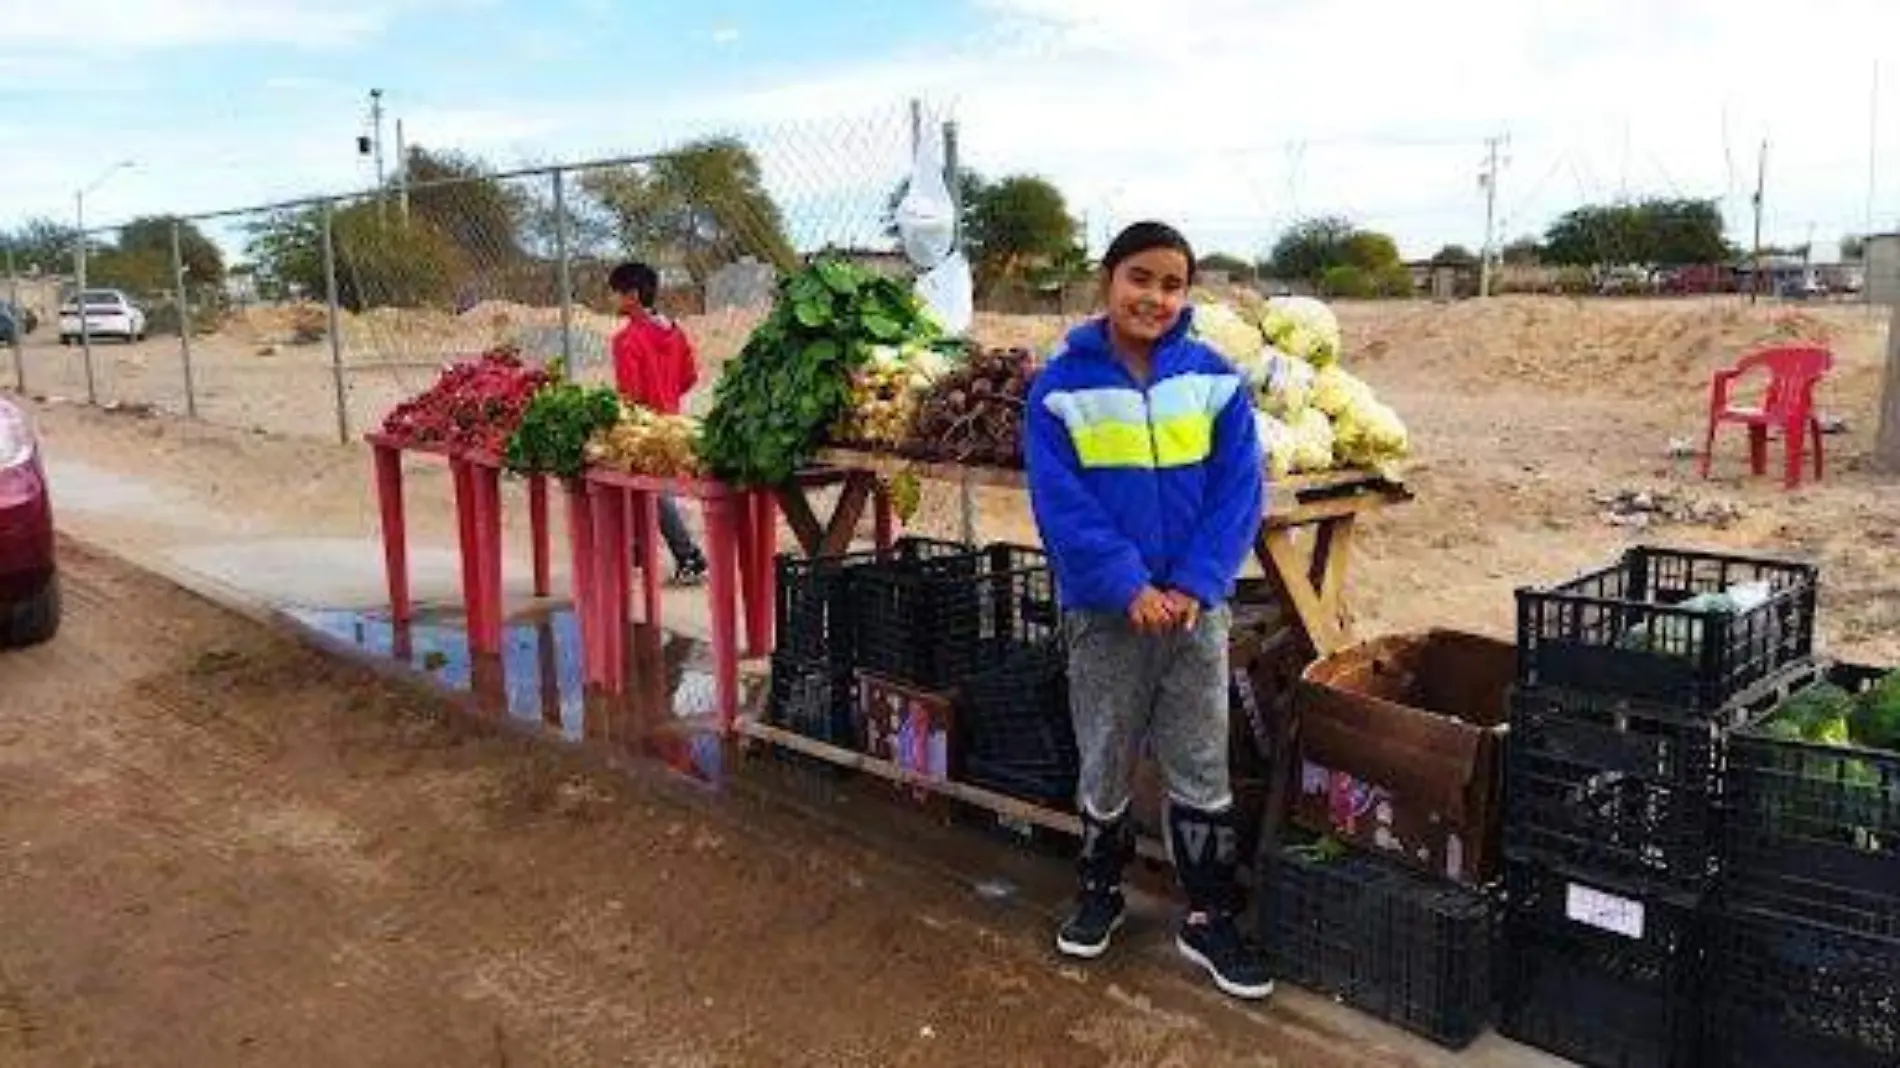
[[1605, 912], [908, 727]]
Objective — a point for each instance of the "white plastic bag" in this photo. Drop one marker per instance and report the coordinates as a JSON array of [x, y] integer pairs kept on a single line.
[[948, 293], [927, 216]]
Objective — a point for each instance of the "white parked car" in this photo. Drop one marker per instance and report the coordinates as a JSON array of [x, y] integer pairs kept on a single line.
[[108, 314]]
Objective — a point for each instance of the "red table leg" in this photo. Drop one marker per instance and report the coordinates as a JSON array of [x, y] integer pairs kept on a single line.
[[538, 529], [646, 515], [395, 531], [722, 547], [610, 581], [488, 538], [580, 544], [758, 513], [465, 525]]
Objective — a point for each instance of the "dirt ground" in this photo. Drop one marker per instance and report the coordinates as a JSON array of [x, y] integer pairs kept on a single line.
[[223, 848]]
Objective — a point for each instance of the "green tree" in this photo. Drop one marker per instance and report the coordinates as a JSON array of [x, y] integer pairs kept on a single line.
[[1653, 233], [1523, 252], [43, 244], [1346, 280], [1369, 251], [1853, 247], [204, 261], [703, 206], [1014, 225], [1454, 256], [1309, 248], [379, 262], [456, 195]]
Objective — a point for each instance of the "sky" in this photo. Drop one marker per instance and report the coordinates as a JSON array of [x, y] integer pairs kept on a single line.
[[1231, 118]]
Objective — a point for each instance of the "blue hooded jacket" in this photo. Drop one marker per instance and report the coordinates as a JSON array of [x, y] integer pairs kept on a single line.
[[1135, 486]]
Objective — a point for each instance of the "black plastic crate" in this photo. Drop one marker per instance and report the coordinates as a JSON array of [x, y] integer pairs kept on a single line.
[[934, 613], [1613, 786], [1788, 992], [1814, 830], [812, 606], [1402, 946], [1017, 734], [1629, 997], [1621, 629], [813, 699]]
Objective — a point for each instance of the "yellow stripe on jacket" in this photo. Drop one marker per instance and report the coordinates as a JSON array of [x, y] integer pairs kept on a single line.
[[1173, 426]]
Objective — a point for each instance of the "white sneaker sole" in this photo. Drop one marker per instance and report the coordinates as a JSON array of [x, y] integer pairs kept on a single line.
[[1227, 986], [1086, 952]]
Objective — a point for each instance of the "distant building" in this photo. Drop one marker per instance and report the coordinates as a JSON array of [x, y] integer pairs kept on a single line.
[[1882, 281]]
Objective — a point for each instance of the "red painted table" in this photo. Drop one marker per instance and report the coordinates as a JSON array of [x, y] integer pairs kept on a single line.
[[740, 539], [477, 481]]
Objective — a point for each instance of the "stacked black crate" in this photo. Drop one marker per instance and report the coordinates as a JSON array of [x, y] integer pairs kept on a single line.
[[1630, 679], [814, 662], [1807, 938]]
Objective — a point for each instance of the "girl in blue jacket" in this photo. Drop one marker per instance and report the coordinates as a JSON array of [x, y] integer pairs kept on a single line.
[[1146, 477]]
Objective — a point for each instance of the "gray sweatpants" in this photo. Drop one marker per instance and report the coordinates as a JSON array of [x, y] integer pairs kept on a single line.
[[1168, 688]]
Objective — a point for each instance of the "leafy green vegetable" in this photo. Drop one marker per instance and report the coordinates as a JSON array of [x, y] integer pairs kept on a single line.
[[1816, 714], [555, 429], [1876, 720], [793, 378]]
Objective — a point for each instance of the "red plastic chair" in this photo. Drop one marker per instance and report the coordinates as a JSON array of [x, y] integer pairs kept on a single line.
[[1788, 405]]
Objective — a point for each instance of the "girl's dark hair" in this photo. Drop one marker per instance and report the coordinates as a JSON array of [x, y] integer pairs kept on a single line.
[[1146, 237]]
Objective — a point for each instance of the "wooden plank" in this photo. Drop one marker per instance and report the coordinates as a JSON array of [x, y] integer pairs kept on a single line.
[[1887, 439], [1331, 558], [795, 505], [843, 527], [1321, 629], [1001, 804]]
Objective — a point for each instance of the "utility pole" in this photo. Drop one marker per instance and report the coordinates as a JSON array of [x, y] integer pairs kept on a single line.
[[402, 174], [1489, 180], [376, 141], [1761, 183]]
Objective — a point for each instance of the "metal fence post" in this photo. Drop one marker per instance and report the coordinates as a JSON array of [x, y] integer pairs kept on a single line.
[[336, 338], [563, 274], [184, 319], [79, 307], [19, 323]]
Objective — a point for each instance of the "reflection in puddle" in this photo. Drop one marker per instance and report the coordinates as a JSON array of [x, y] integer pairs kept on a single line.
[[668, 713]]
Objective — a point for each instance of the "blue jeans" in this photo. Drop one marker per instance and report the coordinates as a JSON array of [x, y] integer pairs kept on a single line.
[[679, 541]]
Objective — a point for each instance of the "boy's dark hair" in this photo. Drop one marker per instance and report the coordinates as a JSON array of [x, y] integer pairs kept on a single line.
[[1145, 237], [637, 279]]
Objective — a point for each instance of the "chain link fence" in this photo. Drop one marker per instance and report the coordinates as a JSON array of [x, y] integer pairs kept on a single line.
[[315, 317]]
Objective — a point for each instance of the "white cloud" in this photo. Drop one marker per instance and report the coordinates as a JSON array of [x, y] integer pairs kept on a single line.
[[725, 35], [1229, 116]]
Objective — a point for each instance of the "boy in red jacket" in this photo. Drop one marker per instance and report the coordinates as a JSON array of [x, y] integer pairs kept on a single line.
[[653, 367]]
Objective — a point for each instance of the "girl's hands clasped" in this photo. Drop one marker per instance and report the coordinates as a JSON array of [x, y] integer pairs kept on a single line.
[[1154, 611]]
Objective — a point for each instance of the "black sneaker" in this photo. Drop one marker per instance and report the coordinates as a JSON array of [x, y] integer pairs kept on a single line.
[[1239, 969], [1096, 917], [690, 571]]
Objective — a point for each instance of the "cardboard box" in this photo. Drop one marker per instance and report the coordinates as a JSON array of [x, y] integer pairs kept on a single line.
[[1400, 750]]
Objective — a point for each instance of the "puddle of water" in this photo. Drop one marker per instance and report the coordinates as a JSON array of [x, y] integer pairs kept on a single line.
[[667, 713]]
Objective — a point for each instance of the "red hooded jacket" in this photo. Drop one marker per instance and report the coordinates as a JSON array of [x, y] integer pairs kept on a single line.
[[653, 363]]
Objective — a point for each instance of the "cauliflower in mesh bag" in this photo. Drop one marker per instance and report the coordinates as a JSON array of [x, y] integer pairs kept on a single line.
[[1312, 441], [1304, 328], [1283, 386], [1226, 332]]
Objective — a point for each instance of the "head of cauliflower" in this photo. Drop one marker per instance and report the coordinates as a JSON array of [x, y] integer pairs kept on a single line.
[[1224, 330], [1302, 327]]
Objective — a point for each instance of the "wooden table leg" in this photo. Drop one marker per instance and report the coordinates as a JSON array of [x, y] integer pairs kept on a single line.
[[1294, 581], [538, 532], [722, 547], [389, 503], [883, 521], [832, 537]]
